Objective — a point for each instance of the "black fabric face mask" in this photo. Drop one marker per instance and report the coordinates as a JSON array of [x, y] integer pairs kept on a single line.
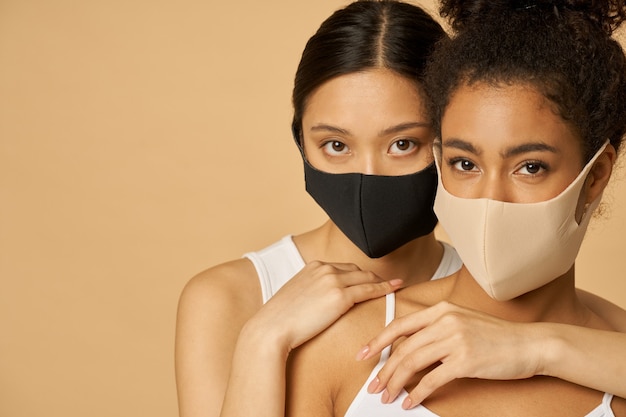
[[377, 213]]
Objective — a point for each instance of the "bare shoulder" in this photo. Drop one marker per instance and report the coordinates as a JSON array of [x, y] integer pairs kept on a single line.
[[229, 285], [611, 313], [212, 309]]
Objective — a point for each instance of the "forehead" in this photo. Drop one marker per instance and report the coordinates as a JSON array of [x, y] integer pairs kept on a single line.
[[377, 93], [495, 116]]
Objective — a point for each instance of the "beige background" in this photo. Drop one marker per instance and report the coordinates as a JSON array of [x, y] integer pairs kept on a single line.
[[141, 142]]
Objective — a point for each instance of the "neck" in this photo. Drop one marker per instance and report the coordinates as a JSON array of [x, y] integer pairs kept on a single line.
[[414, 262], [556, 301]]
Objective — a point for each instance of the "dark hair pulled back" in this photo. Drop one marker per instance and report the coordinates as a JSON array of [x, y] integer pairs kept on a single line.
[[365, 34], [561, 47]]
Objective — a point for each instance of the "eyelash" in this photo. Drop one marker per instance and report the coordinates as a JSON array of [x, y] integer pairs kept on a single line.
[[411, 144], [324, 146], [453, 161], [541, 165]]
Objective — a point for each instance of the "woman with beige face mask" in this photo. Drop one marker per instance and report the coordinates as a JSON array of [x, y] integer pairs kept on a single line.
[[586, 88]]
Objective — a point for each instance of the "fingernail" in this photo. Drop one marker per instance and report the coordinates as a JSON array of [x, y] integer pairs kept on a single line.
[[385, 397], [407, 403], [362, 353], [372, 388], [395, 282], [392, 398]]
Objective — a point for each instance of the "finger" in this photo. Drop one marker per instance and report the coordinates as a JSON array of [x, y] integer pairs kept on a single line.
[[352, 278], [347, 267], [429, 383], [399, 327], [323, 268], [409, 367], [414, 352], [360, 292], [405, 326]]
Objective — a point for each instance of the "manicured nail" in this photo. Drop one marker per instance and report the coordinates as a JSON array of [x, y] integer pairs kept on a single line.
[[385, 397], [362, 353], [392, 398], [372, 388], [407, 403], [395, 282]]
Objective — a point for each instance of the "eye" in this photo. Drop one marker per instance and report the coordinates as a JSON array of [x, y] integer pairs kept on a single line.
[[402, 146], [334, 147], [462, 164], [532, 168]]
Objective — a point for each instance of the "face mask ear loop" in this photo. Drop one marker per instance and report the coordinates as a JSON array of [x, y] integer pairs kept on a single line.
[[436, 149], [579, 218], [297, 137], [587, 205]]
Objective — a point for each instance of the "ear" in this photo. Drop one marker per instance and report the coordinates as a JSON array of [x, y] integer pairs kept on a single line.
[[597, 179], [600, 174]]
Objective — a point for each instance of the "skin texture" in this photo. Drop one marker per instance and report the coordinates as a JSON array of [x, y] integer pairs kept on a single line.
[[342, 134], [370, 112], [473, 344], [479, 168], [526, 153], [213, 311], [492, 172]]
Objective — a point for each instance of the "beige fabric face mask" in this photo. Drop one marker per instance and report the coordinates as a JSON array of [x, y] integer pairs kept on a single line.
[[513, 248]]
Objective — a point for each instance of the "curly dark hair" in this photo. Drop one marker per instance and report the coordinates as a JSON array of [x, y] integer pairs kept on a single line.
[[563, 48]]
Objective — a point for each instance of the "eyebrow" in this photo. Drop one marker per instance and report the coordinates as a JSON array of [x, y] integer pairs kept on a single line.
[[528, 147], [461, 145], [390, 130], [507, 153], [402, 127], [329, 128]]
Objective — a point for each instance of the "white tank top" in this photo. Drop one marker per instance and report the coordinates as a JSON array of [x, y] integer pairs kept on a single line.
[[279, 262], [366, 404], [275, 265]]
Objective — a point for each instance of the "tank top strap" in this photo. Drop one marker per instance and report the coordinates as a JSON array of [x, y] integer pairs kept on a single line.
[[390, 311], [606, 402]]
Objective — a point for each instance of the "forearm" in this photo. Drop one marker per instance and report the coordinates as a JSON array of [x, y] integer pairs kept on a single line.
[[257, 382], [588, 357]]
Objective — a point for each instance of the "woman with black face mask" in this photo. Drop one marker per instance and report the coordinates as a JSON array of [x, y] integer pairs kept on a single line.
[[364, 133], [366, 142]]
